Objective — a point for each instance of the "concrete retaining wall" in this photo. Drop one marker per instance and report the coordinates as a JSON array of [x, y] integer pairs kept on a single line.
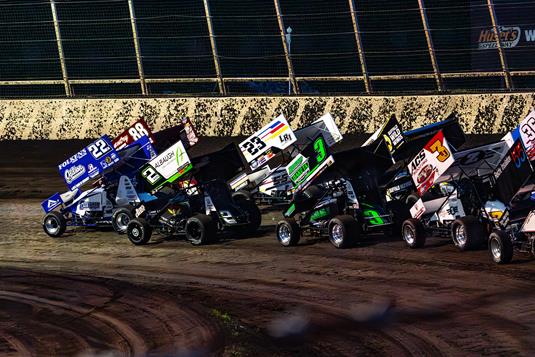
[[89, 118]]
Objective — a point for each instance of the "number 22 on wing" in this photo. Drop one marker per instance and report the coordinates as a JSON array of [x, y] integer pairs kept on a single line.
[[98, 149], [443, 153]]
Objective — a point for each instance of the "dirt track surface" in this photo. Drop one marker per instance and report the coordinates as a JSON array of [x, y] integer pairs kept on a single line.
[[92, 292]]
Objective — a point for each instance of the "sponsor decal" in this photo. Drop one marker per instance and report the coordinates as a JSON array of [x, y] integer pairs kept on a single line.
[[164, 159], [431, 162], [51, 204], [133, 133], [276, 134], [73, 173], [73, 159], [418, 209], [527, 133], [509, 37]]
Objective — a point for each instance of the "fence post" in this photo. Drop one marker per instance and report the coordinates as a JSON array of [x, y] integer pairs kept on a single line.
[[360, 48], [501, 52], [217, 65], [137, 48], [68, 90], [430, 47], [291, 73]]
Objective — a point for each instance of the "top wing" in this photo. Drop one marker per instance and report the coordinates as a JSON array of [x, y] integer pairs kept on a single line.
[[430, 163], [324, 125], [310, 163], [133, 133], [258, 148], [167, 167], [89, 162]]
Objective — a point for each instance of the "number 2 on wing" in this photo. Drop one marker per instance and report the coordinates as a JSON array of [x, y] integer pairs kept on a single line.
[[443, 153]]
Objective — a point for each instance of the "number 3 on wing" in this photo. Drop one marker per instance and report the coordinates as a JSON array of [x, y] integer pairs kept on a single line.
[[443, 153]]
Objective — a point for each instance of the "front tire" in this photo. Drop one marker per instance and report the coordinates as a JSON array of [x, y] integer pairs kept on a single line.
[[467, 233], [139, 231], [343, 231], [54, 224], [500, 247], [120, 219], [413, 233], [200, 230], [288, 232]]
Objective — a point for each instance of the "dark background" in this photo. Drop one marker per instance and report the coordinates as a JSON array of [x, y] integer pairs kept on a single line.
[[174, 41]]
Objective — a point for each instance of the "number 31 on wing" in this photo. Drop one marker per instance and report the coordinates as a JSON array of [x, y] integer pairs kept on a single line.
[[276, 134]]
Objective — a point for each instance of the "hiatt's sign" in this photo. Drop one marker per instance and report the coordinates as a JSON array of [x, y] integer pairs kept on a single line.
[[509, 37]]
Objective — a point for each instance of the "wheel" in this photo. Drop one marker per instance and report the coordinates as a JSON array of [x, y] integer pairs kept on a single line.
[[467, 233], [120, 218], [139, 231], [242, 194], [500, 247], [411, 199], [413, 233], [288, 232], [200, 230], [253, 213], [343, 231], [54, 224]]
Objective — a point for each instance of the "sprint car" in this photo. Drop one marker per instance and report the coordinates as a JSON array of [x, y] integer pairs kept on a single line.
[[268, 151], [112, 173], [184, 205], [465, 196], [335, 196]]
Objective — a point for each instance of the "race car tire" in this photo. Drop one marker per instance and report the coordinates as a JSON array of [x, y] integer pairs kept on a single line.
[[200, 230], [399, 212], [467, 233], [121, 217], [413, 233], [500, 247], [343, 231], [411, 199], [139, 231], [54, 224], [242, 194], [253, 212], [288, 232]]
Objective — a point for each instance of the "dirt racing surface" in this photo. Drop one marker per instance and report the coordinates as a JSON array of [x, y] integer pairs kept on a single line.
[[93, 292]]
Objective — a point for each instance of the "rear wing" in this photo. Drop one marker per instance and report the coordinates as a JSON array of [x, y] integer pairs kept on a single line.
[[167, 167], [88, 163]]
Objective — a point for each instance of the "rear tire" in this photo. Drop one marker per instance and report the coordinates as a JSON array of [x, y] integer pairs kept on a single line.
[[139, 231], [413, 233], [500, 247], [54, 224], [288, 232], [120, 219], [253, 212], [343, 231], [200, 230], [467, 233]]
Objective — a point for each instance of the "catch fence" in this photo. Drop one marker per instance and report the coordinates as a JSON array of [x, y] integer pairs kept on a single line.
[[56, 48]]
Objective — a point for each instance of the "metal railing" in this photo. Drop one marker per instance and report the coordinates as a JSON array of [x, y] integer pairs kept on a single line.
[[366, 78]]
